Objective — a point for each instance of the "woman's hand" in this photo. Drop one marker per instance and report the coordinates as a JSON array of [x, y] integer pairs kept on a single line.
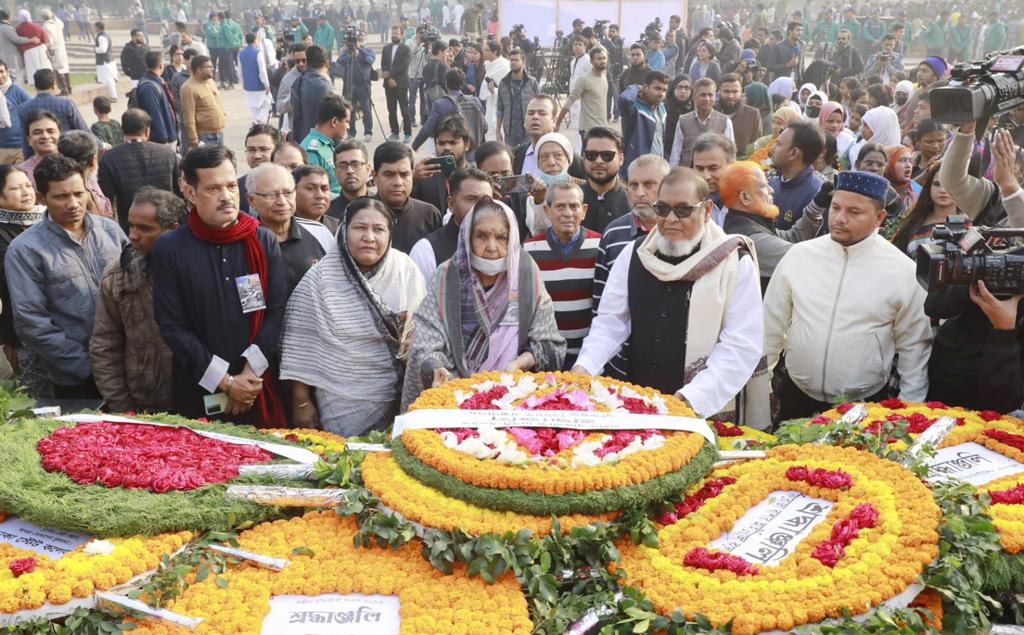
[[525, 361], [441, 377], [1004, 154], [1001, 313], [304, 414]]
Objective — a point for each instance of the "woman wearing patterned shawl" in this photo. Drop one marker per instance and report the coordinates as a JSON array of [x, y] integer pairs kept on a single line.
[[344, 324], [485, 309]]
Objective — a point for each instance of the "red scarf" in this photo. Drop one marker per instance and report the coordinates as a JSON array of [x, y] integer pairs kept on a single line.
[[268, 407]]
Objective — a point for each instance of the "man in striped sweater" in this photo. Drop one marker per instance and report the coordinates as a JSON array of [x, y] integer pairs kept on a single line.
[[566, 253], [645, 174]]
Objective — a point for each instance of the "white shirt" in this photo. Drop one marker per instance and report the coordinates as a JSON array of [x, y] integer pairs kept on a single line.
[[841, 314], [422, 254], [731, 361]]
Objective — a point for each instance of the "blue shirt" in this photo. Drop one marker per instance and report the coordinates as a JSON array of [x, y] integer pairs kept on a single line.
[[16, 96], [792, 196]]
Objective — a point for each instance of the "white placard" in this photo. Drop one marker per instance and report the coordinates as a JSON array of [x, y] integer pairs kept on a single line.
[[332, 614], [52, 543], [771, 530], [571, 419], [970, 462]]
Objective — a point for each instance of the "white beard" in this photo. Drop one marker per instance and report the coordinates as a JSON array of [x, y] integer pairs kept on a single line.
[[678, 248]]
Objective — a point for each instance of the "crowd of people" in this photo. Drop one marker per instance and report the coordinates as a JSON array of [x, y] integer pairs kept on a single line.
[[745, 238]]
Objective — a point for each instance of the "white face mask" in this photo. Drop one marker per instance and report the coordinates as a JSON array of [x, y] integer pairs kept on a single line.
[[486, 266]]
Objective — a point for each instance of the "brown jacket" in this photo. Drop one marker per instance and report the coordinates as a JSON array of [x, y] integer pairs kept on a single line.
[[746, 128], [130, 361], [202, 110]]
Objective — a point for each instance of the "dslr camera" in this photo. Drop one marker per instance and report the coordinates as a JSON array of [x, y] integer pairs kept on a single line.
[[978, 91], [963, 255]]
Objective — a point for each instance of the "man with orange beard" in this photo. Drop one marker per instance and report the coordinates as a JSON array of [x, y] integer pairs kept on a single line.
[[750, 212]]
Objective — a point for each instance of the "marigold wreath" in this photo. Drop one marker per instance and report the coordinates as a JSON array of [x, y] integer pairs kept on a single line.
[[875, 541], [430, 602]]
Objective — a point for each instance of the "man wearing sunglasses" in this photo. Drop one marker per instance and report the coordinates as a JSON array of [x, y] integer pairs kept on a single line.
[[605, 197], [687, 291]]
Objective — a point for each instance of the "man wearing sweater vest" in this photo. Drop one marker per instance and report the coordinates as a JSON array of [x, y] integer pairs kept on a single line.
[[686, 297], [566, 254], [255, 82]]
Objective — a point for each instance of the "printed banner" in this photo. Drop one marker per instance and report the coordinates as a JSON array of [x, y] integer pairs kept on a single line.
[[332, 614], [440, 418], [771, 530], [52, 543], [970, 462]]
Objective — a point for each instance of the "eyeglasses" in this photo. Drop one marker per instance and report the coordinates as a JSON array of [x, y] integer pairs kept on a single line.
[[663, 209], [275, 195], [606, 155], [343, 166]]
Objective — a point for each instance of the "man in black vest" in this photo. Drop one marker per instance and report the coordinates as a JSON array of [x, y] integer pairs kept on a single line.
[[468, 186], [686, 297], [394, 70]]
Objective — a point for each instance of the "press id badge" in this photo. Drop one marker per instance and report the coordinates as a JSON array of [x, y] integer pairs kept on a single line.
[[511, 317], [250, 293]]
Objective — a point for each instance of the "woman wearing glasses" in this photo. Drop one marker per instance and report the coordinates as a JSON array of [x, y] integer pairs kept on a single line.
[[485, 309], [686, 291]]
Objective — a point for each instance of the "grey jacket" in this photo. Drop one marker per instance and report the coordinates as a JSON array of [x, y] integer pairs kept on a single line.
[[504, 103], [9, 39], [53, 282], [770, 243]]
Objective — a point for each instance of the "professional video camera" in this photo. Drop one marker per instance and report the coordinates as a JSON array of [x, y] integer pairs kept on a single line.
[[351, 35], [981, 90], [601, 28], [428, 34], [964, 255], [517, 31], [651, 30]]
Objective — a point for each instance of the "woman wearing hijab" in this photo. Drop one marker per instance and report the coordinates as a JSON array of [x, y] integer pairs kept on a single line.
[[832, 119], [554, 156], [806, 90], [898, 170], [678, 102], [879, 125], [812, 108], [485, 309], [344, 324], [758, 97], [34, 53], [761, 150]]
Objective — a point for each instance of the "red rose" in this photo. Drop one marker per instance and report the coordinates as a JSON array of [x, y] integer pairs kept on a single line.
[[865, 515], [828, 553], [843, 408], [935, 404], [893, 404], [797, 473], [990, 415], [21, 566], [820, 420], [845, 531]]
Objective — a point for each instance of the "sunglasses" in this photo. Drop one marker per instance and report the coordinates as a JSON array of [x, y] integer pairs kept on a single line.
[[606, 155], [663, 209]]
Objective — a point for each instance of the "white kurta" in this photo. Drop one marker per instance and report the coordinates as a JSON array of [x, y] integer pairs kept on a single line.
[[36, 59], [258, 101], [55, 33], [728, 365], [496, 70], [107, 73], [841, 314]]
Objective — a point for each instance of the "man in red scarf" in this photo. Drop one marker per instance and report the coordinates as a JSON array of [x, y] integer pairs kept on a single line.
[[219, 296]]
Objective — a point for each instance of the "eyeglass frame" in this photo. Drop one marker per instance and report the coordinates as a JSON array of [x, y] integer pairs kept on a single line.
[[674, 210], [271, 196]]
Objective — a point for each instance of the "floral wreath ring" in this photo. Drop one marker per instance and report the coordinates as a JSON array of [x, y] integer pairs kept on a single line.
[[430, 602], [30, 581], [879, 535], [544, 471]]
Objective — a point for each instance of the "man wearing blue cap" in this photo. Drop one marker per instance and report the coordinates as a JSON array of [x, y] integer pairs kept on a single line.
[[842, 307]]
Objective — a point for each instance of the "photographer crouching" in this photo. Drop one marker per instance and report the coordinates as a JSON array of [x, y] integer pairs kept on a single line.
[[977, 356], [355, 67]]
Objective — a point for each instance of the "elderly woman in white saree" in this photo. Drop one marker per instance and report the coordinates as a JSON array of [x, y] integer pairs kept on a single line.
[[485, 309], [343, 327]]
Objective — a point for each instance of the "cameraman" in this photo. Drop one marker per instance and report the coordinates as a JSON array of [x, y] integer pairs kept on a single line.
[[356, 64], [976, 355], [846, 56], [885, 62]]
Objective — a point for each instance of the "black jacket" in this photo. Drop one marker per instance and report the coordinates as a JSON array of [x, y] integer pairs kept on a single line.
[[413, 221], [133, 60], [395, 60], [849, 61], [778, 56], [126, 168], [973, 365]]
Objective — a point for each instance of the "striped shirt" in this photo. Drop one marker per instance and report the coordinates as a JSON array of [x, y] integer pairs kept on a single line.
[[619, 233], [568, 275]]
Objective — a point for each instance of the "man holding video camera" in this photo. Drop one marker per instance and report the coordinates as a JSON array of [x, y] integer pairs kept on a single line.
[[976, 357], [356, 64]]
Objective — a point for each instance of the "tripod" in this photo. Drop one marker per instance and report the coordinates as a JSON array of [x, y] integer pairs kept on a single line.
[[556, 69]]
